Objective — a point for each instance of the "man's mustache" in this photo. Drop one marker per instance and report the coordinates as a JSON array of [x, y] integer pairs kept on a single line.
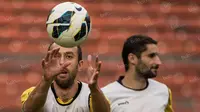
[[155, 67]]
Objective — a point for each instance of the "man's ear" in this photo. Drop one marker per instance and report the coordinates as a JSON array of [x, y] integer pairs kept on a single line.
[[80, 65], [132, 58]]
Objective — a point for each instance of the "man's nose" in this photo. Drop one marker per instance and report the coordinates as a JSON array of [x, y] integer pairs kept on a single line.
[[158, 61], [62, 60]]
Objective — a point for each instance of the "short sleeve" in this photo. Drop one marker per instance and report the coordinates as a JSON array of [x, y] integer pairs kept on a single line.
[[169, 105], [26, 94]]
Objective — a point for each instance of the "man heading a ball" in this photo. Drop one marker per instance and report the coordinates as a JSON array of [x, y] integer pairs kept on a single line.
[[59, 90]]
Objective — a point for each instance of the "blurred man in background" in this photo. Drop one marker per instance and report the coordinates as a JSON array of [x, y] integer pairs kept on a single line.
[[136, 91], [59, 90]]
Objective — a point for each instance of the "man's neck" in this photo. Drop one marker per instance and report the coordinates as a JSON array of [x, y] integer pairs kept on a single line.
[[66, 94], [133, 81]]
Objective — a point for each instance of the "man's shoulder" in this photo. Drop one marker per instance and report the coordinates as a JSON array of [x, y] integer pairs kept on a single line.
[[84, 86], [84, 90], [154, 84], [26, 93], [111, 87]]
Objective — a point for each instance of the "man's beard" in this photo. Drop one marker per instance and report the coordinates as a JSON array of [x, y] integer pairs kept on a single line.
[[144, 71], [68, 83]]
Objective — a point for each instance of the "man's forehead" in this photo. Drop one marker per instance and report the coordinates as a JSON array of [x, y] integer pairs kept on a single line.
[[63, 49], [151, 48]]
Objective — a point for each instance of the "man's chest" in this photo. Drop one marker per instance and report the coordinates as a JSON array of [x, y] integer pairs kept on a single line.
[[78, 105], [140, 103]]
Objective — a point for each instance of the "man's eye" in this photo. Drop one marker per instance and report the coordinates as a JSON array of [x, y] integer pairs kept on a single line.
[[152, 55], [69, 57]]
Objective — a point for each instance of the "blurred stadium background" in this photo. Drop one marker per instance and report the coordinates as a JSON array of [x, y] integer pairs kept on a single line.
[[174, 23]]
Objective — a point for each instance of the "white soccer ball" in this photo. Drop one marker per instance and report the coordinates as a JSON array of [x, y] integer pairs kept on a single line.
[[68, 24]]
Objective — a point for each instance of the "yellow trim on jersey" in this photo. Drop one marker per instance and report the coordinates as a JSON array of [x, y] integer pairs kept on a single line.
[[26, 94], [91, 106], [108, 100], [169, 105], [62, 102]]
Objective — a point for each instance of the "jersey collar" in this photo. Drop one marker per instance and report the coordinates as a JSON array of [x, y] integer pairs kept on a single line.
[[120, 82], [60, 102]]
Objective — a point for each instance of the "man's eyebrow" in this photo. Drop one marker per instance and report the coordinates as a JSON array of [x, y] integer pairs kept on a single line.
[[153, 53], [69, 52]]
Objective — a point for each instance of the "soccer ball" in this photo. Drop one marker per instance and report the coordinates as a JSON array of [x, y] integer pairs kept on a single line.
[[68, 24]]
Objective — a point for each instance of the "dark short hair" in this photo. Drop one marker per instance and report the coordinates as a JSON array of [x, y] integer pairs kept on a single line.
[[135, 44], [79, 51]]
